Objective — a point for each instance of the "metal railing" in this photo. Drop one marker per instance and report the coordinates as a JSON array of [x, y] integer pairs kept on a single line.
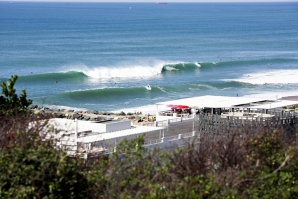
[[176, 137], [186, 135], [161, 123], [99, 153], [174, 120], [151, 142], [148, 124]]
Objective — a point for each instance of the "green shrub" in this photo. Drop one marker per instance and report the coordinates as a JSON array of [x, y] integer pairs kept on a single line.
[[37, 170], [10, 102]]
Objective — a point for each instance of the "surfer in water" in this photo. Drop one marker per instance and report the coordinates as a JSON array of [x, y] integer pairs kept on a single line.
[[198, 64]]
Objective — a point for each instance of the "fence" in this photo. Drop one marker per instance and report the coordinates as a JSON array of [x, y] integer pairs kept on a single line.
[[152, 142], [216, 124], [161, 123], [168, 122]]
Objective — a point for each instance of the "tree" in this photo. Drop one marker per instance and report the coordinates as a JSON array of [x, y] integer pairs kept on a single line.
[[10, 102]]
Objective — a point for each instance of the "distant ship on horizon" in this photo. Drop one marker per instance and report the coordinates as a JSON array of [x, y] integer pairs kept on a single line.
[[161, 3]]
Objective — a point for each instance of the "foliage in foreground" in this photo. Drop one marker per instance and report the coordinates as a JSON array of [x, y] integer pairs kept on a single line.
[[259, 166], [39, 172], [33, 168], [10, 102]]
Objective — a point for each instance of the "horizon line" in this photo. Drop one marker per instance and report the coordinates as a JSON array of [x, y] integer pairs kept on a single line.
[[138, 1]]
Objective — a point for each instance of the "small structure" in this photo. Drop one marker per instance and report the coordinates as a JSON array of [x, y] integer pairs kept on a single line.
[[95, 138], [226, 105], [220, 114]]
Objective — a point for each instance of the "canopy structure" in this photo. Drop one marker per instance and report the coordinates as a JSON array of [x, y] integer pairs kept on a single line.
[[210, 101], [179, 107]]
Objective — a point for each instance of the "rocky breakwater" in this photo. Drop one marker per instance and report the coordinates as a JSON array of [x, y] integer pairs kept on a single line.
[[86, 115]]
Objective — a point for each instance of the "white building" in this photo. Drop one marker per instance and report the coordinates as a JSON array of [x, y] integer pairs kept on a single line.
[[96, 138]]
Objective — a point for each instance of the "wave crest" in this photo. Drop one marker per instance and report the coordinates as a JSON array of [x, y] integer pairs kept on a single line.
[[133, 69], [271, 77]]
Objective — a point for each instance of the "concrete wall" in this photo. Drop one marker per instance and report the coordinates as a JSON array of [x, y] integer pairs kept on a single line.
[[66, 125], [111, 143], [105, 126], [117, 126]]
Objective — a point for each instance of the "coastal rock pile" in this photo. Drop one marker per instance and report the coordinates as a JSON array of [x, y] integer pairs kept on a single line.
[[86, 115], [136, 118]]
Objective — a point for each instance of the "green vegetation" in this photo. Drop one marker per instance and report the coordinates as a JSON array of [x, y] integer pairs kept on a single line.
[[37, 170], [9, 101], [257, 166]]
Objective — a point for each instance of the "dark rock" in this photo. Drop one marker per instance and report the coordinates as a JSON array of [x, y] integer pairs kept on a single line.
[[76, 116], [59, 115], [86, 118], [122, 113], [95, 112], [33, 107], [88, 111]]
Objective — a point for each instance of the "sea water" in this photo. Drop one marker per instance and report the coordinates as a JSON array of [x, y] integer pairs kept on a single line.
[[102, 55]]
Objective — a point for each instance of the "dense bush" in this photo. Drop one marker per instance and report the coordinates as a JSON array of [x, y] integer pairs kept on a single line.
[[38, 171], [259, 166], [263, 165], [10, 102]]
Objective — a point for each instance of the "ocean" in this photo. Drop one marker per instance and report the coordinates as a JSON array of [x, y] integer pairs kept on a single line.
[[101, 56]]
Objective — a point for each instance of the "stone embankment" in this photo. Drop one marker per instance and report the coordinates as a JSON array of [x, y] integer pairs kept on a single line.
[[92, 115]]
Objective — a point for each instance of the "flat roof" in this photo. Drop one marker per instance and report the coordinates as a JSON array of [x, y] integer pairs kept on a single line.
[[275, 104], [118, 134], [212, 101], [291, 98]]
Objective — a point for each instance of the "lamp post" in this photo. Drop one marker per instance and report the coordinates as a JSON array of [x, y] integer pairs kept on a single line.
[[76, 134], [193, 111]]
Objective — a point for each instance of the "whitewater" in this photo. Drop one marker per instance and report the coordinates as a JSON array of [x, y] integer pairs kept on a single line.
[[103, 55]]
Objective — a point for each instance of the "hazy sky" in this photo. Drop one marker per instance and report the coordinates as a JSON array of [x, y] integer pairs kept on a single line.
[[156, 0]]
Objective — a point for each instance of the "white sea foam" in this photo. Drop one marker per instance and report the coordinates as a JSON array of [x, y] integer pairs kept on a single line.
[[55, 107], [125, 69], [162, 89], [87, 89], [273, 95], [270, 77], [206, 86], [171, 68]]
